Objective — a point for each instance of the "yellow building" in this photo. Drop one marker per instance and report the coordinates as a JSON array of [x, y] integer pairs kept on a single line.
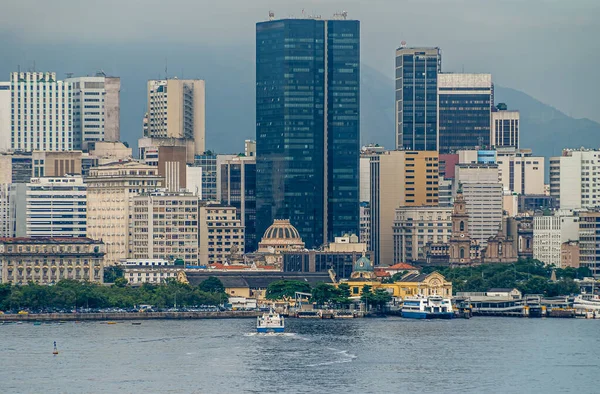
[[410, 285]]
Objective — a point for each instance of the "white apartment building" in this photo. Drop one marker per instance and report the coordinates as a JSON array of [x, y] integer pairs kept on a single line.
[[483, 194], [109, 188], [43, 117], [415, 227], [176, 109], [7, 214], [164, 225], [550, 232], [220, 231], [137, 275], [96, 109], [505, 129], [519, 171], [365, 179], [57, 207], [575, 178], [5, 117]]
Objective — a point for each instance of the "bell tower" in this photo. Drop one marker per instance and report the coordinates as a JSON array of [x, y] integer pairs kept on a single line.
[[460, 241]]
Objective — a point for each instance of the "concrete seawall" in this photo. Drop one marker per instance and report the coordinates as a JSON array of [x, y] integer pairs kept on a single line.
[[129, 316]]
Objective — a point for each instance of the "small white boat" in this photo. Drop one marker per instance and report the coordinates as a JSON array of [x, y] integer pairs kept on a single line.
[[432, 307], [270, 322]]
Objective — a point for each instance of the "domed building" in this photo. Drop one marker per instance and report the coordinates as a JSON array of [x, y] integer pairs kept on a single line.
[[280, 236], [363, 269]]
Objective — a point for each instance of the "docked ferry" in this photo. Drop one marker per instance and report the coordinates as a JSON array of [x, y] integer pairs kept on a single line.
[[587, 302], [270, 322], [432, 307]]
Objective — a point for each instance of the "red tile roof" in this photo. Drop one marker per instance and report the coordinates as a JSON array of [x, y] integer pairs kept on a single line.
[[401, 267]]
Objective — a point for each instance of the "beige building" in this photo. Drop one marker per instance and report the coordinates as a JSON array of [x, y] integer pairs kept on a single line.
[[398, 179], [109, 152], [221, 233], [48, 260], [415, 227], [569, 254], [172, 167], [56, 164], [505, 128], [519, 171], [176, 109], [164, 225], [110, 187]]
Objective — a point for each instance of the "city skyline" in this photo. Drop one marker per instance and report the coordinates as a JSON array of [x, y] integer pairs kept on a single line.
[[223, 54]]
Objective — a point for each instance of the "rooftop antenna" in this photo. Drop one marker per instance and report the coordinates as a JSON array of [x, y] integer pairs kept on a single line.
[[271, 15], [344, 14], [69, 75], [166, 68]]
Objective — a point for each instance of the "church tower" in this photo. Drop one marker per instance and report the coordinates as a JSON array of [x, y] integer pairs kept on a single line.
[[460, 241]]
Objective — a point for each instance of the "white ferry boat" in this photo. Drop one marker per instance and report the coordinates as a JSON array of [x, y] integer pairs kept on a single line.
[[270, 322], [432, 307], [587, 302]]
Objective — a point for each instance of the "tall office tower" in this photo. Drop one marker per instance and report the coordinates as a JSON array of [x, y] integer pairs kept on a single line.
[[7, 214], [164, 225], [96, 109], [520, 172], [109, 188], [307, 126], [416, 97], [579, 180], [483, 193], [505, 127], [221, 233], [57, 207], [176, 109], [237, 188], [555, 180], [208, 162], [43, 114], [5, 116], [398, 179], [464, 108]]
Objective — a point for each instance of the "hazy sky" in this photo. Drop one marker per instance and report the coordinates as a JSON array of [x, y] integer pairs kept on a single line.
[[549, 49]]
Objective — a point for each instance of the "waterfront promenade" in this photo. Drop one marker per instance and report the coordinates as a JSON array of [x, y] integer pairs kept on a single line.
[[127, 316]]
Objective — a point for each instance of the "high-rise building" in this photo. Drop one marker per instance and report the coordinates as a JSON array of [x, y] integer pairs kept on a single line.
[[7, 219], [96, 109], [109, 188], [164, 225], [221, 233], [5, 117], [464, 108], [415, 227], [57, 207], [237, 188], [505, 127], [398, 179], [365, 223], [555, 180], [172, 167], [208, 162], [579, 178], [483, 194], [176, 109], [416, 97], [307, 126], [519, 171], [550, 232], [43, 114]]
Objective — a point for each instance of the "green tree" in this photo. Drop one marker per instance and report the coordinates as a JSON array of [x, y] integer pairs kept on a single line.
[[212, 284], [121, 282], [324, 293], [286, 288], [112, 273]]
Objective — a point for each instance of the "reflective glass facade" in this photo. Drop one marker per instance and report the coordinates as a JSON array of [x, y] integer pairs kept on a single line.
[[416, 98], [307, 126], [464, 120]]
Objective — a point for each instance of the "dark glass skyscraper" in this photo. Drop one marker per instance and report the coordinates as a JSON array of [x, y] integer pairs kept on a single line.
[[307, 126], [416, 98], [464, 111]]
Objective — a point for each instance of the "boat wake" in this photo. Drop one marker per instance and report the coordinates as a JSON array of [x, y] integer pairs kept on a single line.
[[344, 357], [271, 334]]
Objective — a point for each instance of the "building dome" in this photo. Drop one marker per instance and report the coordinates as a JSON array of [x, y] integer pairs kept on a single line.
[[281, 235]]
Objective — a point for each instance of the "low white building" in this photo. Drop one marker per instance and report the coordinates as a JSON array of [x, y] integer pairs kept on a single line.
[[151, 274]]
